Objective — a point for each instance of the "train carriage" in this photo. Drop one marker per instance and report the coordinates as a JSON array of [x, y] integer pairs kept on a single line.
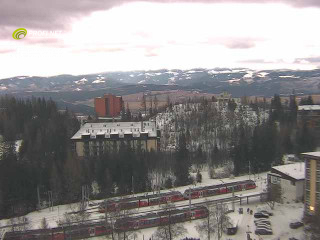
[[219, 189]]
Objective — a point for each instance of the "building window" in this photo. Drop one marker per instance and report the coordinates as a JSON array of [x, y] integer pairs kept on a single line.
[[293, 183], [275, 180], [318, 187], [308, 164], [308, 185], [307, 195], [307, 174]]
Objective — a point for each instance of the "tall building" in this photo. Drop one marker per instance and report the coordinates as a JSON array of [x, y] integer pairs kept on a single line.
[[311, 115], [312, 183], [94, 139], [108, 105]]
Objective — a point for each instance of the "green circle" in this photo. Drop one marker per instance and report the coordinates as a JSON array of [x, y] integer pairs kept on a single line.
[[18, 32]]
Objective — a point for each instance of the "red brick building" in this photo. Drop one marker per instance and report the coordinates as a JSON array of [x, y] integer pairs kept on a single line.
[[108, 105]]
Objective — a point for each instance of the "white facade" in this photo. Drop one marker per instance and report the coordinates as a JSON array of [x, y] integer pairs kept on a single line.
[[291, 179]]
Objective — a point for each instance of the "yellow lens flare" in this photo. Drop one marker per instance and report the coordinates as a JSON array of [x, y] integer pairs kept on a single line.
[[19, 33]]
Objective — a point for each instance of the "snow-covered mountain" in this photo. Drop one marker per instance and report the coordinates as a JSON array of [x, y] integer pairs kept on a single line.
[[238, 82]]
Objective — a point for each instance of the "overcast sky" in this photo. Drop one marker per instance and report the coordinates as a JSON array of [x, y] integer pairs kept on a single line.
[[99, 36]]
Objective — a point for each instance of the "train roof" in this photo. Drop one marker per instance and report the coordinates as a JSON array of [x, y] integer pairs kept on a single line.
[[135, 198], [219, 185], [158, 214]]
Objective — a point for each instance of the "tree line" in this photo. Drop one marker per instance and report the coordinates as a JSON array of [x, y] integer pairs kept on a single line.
[[46, 162]]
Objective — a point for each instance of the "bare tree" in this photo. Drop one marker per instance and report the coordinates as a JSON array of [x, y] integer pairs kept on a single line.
[[144, 103], [215, 223], [171, 229], [44, 224], [156, 103], [77, 214], [274, 194]]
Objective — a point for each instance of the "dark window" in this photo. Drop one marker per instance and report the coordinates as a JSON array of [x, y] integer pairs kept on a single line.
[[308, 185]]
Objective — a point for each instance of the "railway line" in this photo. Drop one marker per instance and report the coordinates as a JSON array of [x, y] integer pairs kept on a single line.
[[188, 206]]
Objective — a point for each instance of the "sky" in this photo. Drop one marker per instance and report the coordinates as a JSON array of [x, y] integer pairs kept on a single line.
[[92, 36]]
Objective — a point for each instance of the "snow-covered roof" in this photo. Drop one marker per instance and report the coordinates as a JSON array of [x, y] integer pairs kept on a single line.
[[295, 170], [309, 107], [117, 128], [311, 154]]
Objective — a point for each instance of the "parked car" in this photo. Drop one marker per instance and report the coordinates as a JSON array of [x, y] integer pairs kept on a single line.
[[261, 215], [262, 231], [293, 238], [263, 225], [261, 220], [267, 212], [295, 225]]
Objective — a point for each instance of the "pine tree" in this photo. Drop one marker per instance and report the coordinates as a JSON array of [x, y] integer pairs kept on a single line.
[[182, 163], [128, 113]]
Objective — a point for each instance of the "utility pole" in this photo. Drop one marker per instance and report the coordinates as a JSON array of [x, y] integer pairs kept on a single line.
[[233, 198], [249, 169], [50, 199], [39, 200], [132, 185], [190, 202]]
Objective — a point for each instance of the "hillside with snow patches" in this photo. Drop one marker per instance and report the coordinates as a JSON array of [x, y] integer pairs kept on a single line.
[[238, 82], [215, 130]]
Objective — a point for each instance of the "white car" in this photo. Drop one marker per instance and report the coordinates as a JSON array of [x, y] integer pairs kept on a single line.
[[263, 225], [261, 220]]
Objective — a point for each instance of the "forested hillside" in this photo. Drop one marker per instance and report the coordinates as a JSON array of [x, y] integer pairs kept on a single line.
[[250, 136], [244, 134]]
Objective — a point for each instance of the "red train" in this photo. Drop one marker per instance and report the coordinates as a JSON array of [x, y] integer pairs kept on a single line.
[[175, 196], [156, 219], [61, 233], [219, 189], [141, 201], [100, 228]]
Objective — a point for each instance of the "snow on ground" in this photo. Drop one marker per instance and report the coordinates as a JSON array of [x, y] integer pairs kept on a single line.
[[283, 213], [81, 81], [18, 145]]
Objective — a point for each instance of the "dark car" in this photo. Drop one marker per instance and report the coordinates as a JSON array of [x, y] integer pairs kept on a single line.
[[293, 238], [267, 212], [262, 231], [295, 225], [261, 215]]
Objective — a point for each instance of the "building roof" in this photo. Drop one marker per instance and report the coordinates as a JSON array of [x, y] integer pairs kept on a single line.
[[313, 155], [117, 128], [296, 170], [309, 107]]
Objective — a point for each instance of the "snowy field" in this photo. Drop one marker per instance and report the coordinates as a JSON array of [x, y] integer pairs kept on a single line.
[[283, 213]]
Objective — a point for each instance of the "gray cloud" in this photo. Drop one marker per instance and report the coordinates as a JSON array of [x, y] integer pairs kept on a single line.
[[259, 61], [58, 14], [7, 51], [234, 42], [308, 59], [100, 49], [242, 44]]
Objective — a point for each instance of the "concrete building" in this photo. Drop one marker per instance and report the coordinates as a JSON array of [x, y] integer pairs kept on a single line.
[[94, 139], [108, 105], [312, 192], [310, 114], [291, 178]]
